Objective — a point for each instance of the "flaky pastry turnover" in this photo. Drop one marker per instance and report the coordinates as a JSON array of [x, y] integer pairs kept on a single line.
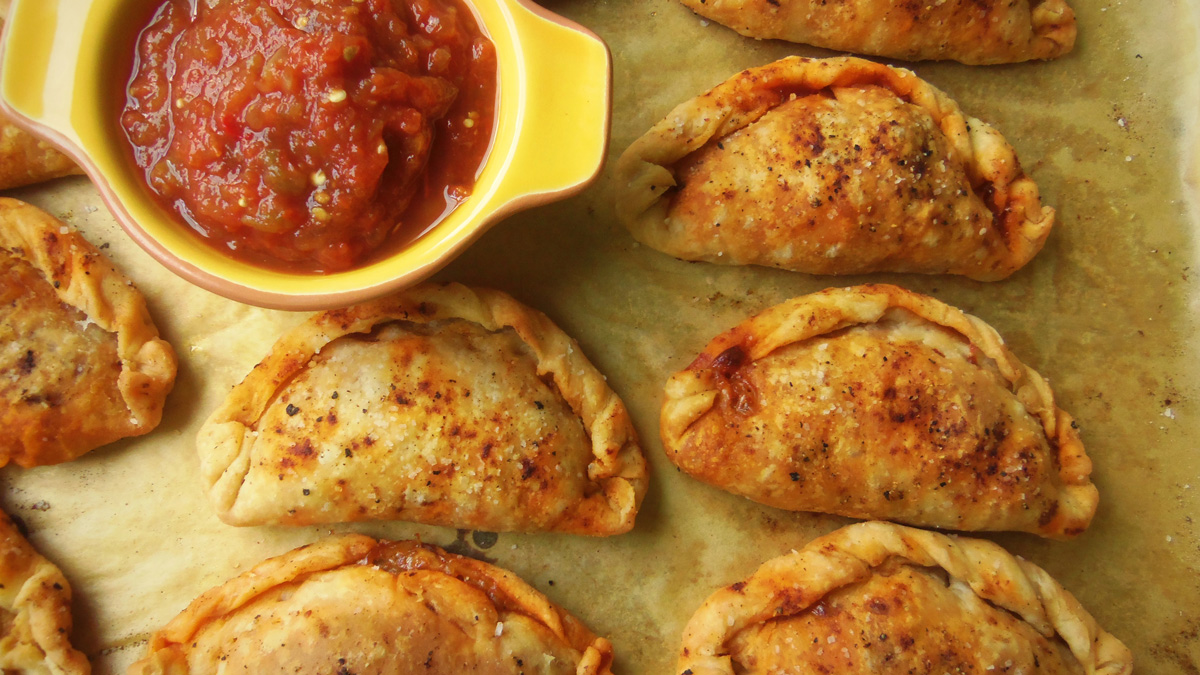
[[25, 159], [877, 402], [352, 604], [969, 31], [443, 405], [83, 362], [35, 611], [831, 166], [889, 600]]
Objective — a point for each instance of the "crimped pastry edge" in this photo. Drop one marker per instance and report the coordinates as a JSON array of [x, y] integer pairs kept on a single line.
[[84, 278], [166, 651], [644, 176], [617, 464], [689, 397], [41, 608], [792, 583]]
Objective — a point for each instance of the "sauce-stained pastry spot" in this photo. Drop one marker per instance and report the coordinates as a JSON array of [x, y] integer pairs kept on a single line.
[[876, 402], [443, 405], [356, 605], [969, 31], [35, 611], [82, 361], [832, 166], [889, 600]]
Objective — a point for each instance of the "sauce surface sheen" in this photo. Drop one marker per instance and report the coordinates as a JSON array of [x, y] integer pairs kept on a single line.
[[302, 134]]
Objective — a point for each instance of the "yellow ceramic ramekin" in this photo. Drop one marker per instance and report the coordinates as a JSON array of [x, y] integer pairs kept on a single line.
[[552, 116]]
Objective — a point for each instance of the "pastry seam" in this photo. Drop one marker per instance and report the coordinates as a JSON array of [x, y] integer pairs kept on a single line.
[[850, 554], [690, 395], [617, 466]]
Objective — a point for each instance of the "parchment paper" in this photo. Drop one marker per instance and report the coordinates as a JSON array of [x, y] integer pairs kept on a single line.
[[1108, 312]]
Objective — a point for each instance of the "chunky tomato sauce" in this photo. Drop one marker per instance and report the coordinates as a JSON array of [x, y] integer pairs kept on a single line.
[[302, 134]]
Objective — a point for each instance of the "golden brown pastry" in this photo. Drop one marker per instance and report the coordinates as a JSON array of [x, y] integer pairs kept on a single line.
[[970, 31], [441, 405], [876, 402], [356, 605], [832, 166], [35, 611], [26, 159], [82, 359], [889, 600]]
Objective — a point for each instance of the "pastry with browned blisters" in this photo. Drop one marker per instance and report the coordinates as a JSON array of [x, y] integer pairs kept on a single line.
[[883, 599], [83, 363], [35, 611], [356, 605], [443, 405], [976, 32], [832, 166], [876, 402]]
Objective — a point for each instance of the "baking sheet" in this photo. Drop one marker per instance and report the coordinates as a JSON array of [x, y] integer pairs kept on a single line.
[[1108, 312]]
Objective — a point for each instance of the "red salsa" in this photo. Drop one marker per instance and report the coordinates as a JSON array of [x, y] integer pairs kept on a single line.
[[303, 134]]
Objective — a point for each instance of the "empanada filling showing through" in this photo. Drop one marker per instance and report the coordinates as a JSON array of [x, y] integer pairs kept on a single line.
[[901, 619], [55, 360], [448, 407], [822, 171]]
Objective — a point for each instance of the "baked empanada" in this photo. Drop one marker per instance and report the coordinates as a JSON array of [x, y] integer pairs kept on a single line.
[[876, 402], [969, 31], [35, 611], [889, 600], [441, 405], [25, 159], [832, 166], [354, 605], [82, 361]]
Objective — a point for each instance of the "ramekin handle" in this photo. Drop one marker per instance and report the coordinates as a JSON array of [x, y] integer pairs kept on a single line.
[[567, 73]]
